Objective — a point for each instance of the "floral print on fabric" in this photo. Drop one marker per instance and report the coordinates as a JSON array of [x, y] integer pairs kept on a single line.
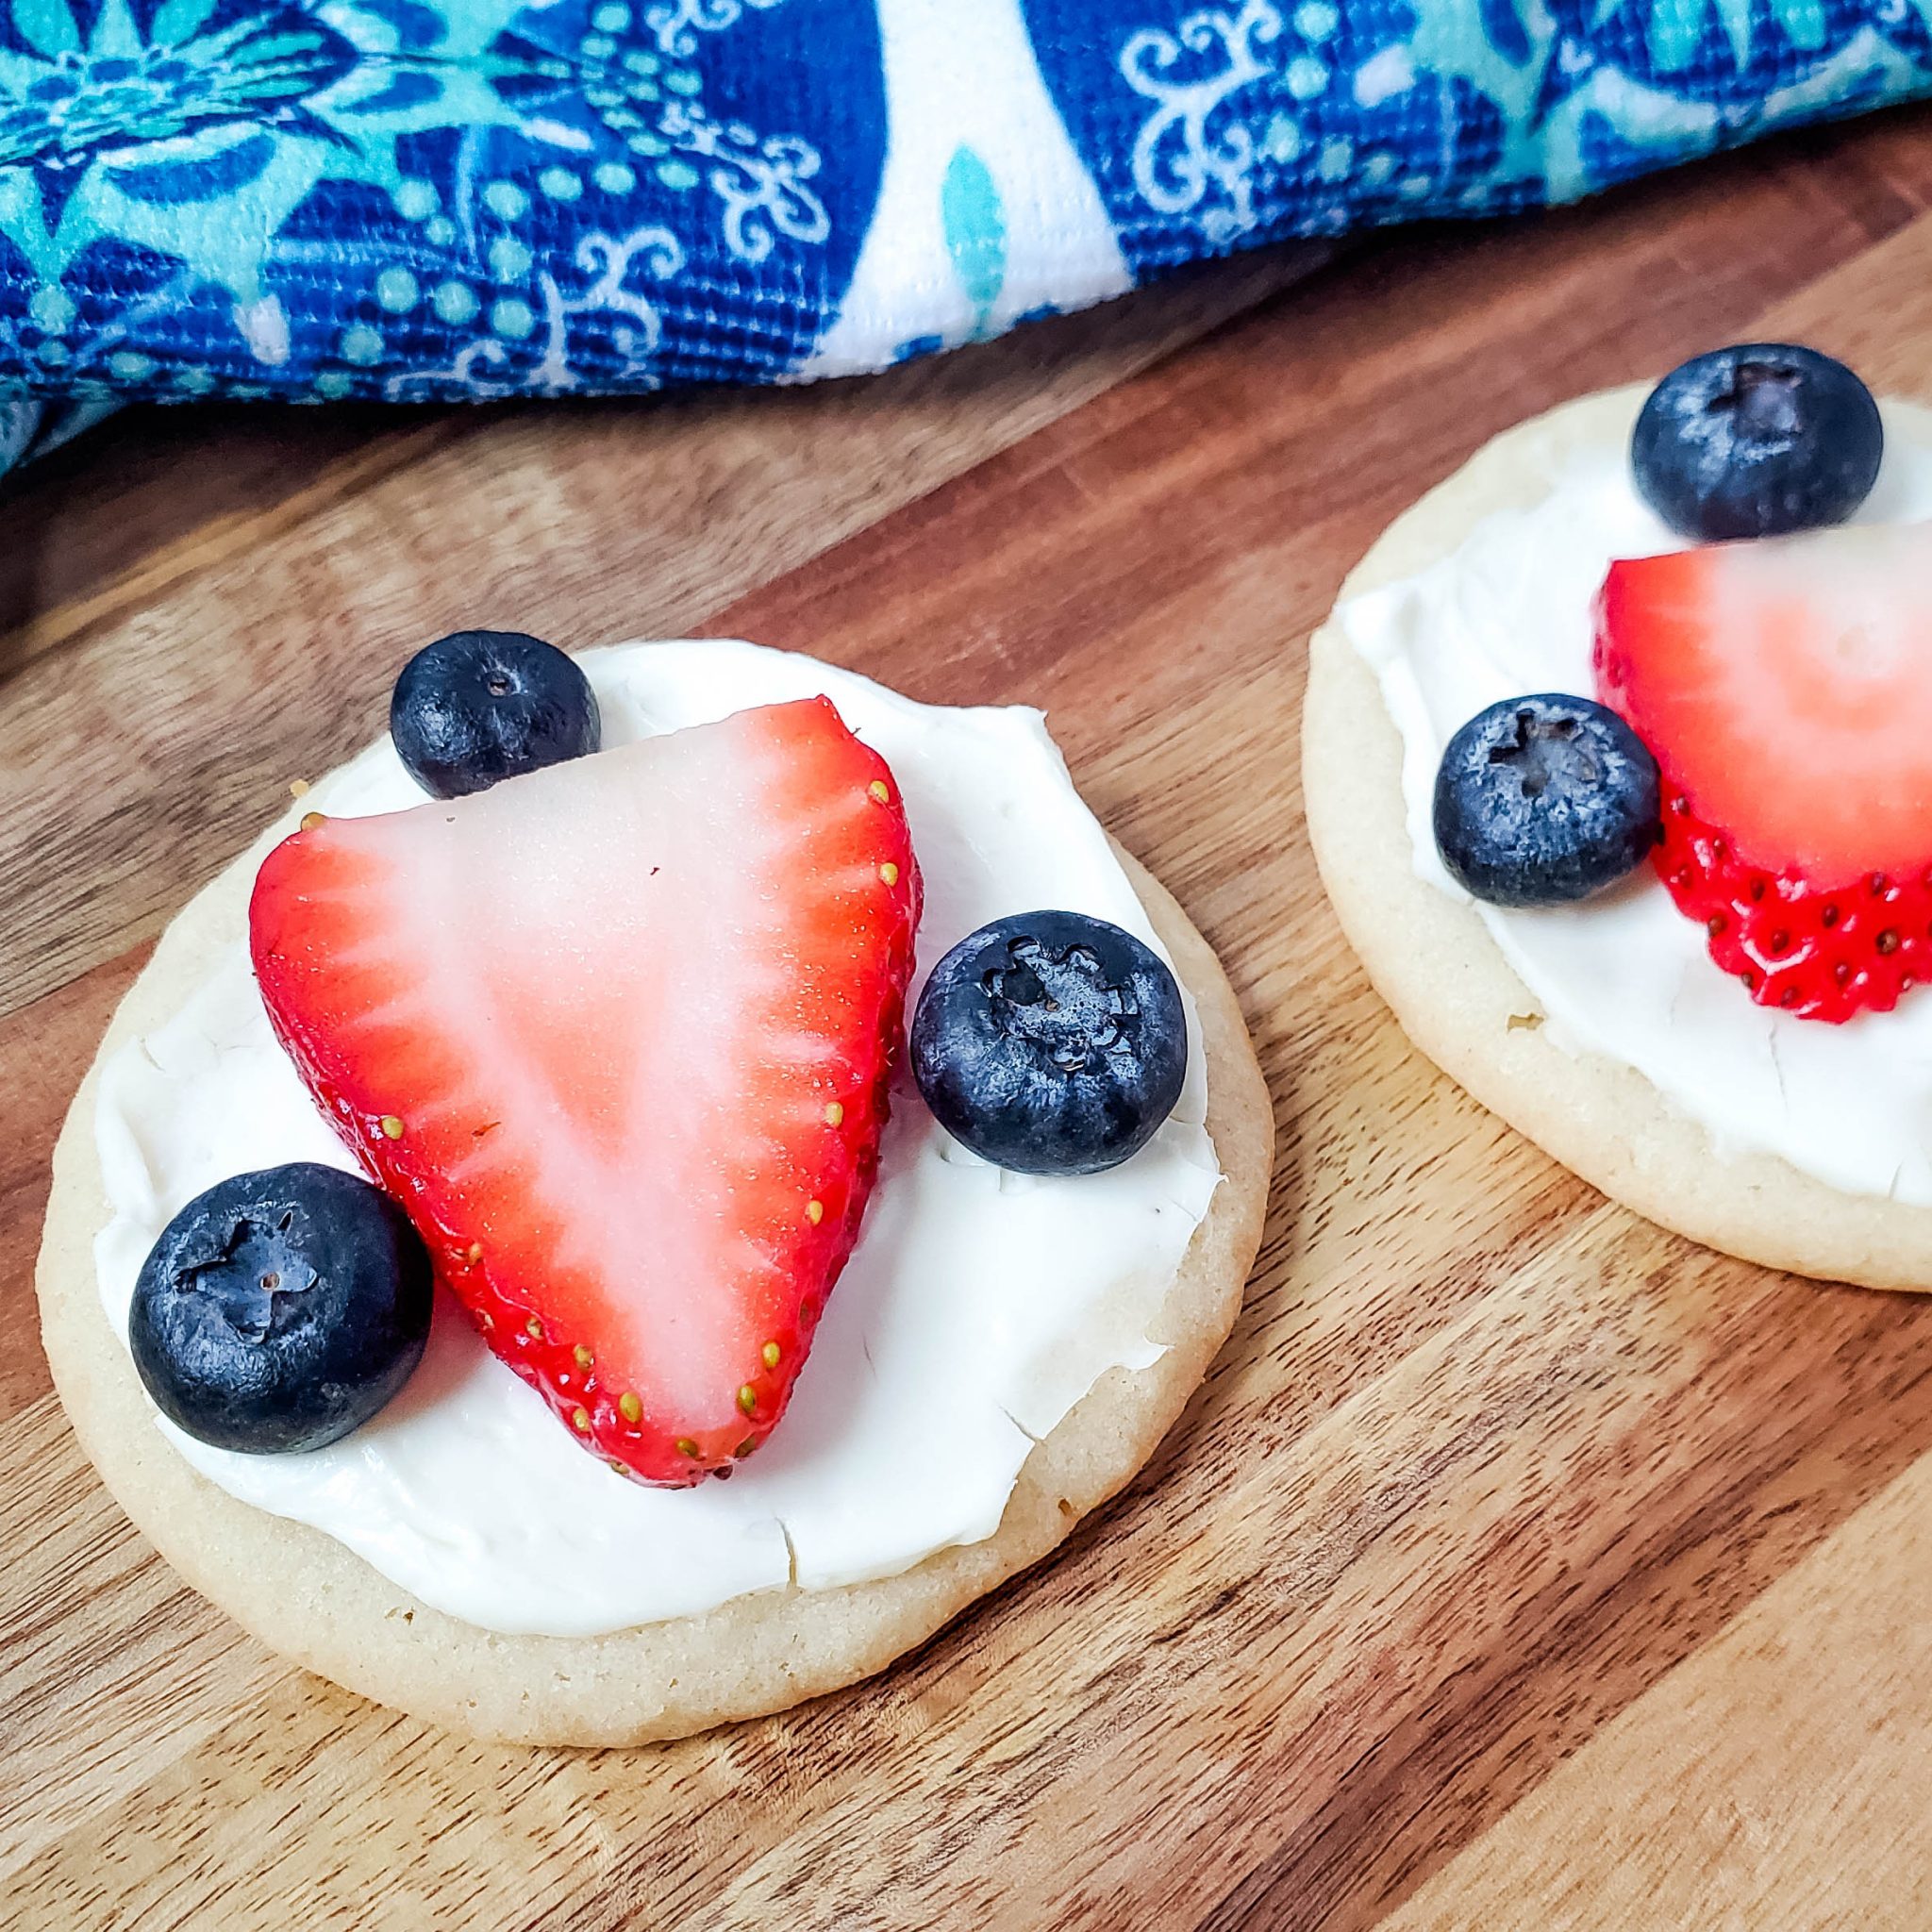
[[416, 199], [406, 200], [1220, 125]]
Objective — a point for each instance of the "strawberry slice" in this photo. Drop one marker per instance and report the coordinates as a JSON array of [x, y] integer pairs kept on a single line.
[[1785, 688], [616, 1034]]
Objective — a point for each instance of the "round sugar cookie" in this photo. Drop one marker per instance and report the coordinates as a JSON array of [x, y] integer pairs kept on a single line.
[[312, 1599], [1433, 960]]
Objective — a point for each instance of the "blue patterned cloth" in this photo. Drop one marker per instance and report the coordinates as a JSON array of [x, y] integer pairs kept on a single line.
[[414, 199]]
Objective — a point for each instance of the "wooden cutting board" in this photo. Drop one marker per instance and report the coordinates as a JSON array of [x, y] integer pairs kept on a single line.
[[1517, 1566]]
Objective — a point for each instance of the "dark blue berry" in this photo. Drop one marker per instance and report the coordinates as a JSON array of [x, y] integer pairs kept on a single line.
[[1543, 800], [479, 706], [280, 1309], [1755, 441], [1050, 1043]]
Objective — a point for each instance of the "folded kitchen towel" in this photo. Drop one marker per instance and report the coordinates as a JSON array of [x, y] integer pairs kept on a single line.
[[414, 199]]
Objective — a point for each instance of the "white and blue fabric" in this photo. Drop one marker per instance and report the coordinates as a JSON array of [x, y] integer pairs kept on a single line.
[[424, 199]]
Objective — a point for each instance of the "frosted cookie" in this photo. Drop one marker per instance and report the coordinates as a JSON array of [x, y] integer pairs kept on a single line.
[[734, 1386], [1618, 764]]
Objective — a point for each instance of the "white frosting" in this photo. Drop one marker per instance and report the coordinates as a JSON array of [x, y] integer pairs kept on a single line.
[[1626, 975], [977, 1310]]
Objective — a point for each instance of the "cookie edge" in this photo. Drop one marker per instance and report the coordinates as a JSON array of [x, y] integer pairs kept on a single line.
[[313, 1601], [1433, 961]]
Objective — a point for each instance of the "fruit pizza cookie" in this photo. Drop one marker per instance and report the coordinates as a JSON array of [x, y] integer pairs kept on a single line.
[[507, 1254], [1618, 761]]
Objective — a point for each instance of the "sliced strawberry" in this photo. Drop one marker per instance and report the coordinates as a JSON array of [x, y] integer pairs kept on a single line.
[[1785, 688], [617, 1036]]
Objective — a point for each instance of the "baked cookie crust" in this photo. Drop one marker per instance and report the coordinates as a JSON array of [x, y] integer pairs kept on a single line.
[[315, 1602], [1432, 958]]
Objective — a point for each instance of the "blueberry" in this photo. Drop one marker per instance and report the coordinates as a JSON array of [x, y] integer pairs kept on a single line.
[[1543, 800], [1050, 1043], [280, 1309], [482, 705], [1755, 441]]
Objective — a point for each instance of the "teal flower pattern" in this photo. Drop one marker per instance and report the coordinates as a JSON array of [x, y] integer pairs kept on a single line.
[[1233, 123], [410, 198], [414, 199]]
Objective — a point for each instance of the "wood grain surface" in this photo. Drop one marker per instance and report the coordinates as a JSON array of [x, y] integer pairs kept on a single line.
[[1519, 1565]]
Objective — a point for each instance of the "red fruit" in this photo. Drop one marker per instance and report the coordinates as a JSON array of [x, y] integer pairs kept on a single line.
[[1785, 688], [616, 1034]]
